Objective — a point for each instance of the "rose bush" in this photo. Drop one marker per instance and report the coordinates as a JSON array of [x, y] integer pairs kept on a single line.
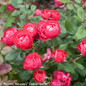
[[43, 46]]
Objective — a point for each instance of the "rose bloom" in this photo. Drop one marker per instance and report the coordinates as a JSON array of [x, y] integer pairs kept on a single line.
[[41, 35], [32, 61], [8, 36], [82, 1], [37, 12], [55, 15], [59, 55], [82, 47], [58, 3], [61, 79], [45, 14], [31, 27], [23, 39], [51, 29], [39, 76], [10, 8]]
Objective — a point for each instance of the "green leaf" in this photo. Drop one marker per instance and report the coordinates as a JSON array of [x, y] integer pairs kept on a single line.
[[12, 55], [33, 7], [79, 84], [80, 66], [25, 75], [70, 6], [9, 21], [20, 24], [80, 13], [16, 13], [63, 46], [29, 12], [62, 25], [27, 6], [35, 19], [64, 1], [78, 18], [69, 26], [82, 72], [80, 34], [22, 17], [68, 67], [74, 76], [19, 1], [15, 3], [77, 1], [2, 8]]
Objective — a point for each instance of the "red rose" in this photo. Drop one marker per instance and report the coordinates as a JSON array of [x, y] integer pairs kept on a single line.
[[37, 12], [41, 35], [61, 79], [55, 15], [82, 1], [58, 3], [39, 76], [32, 61], [59, 55], [10, 8], [51, 29], [31, 27], [45, 14], [23, 39], [82, 47], [8, 36]]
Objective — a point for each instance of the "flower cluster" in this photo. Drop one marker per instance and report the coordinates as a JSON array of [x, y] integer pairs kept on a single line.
[[23, 39], [34, 61], [44, 30], [50, 14]]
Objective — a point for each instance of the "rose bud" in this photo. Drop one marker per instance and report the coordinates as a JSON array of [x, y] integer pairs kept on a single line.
[[55, 15], [31, 27], [37, 12], [23, 39], [32, 61], [41, 35], [58, 3], [8, 36], [47, 55], [61, 79], [82, 47], [59, 55], [51, 29], [39, 76], [45, 14], [82, 1], [10, 8]]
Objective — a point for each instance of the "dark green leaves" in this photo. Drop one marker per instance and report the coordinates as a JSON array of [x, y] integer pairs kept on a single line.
[[33, 7], [80, 13], [16, 13], [25, 75], [69, 26], [12, 55], [80, 34]]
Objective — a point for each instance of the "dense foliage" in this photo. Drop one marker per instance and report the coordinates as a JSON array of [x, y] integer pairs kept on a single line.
[[43, 47]]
